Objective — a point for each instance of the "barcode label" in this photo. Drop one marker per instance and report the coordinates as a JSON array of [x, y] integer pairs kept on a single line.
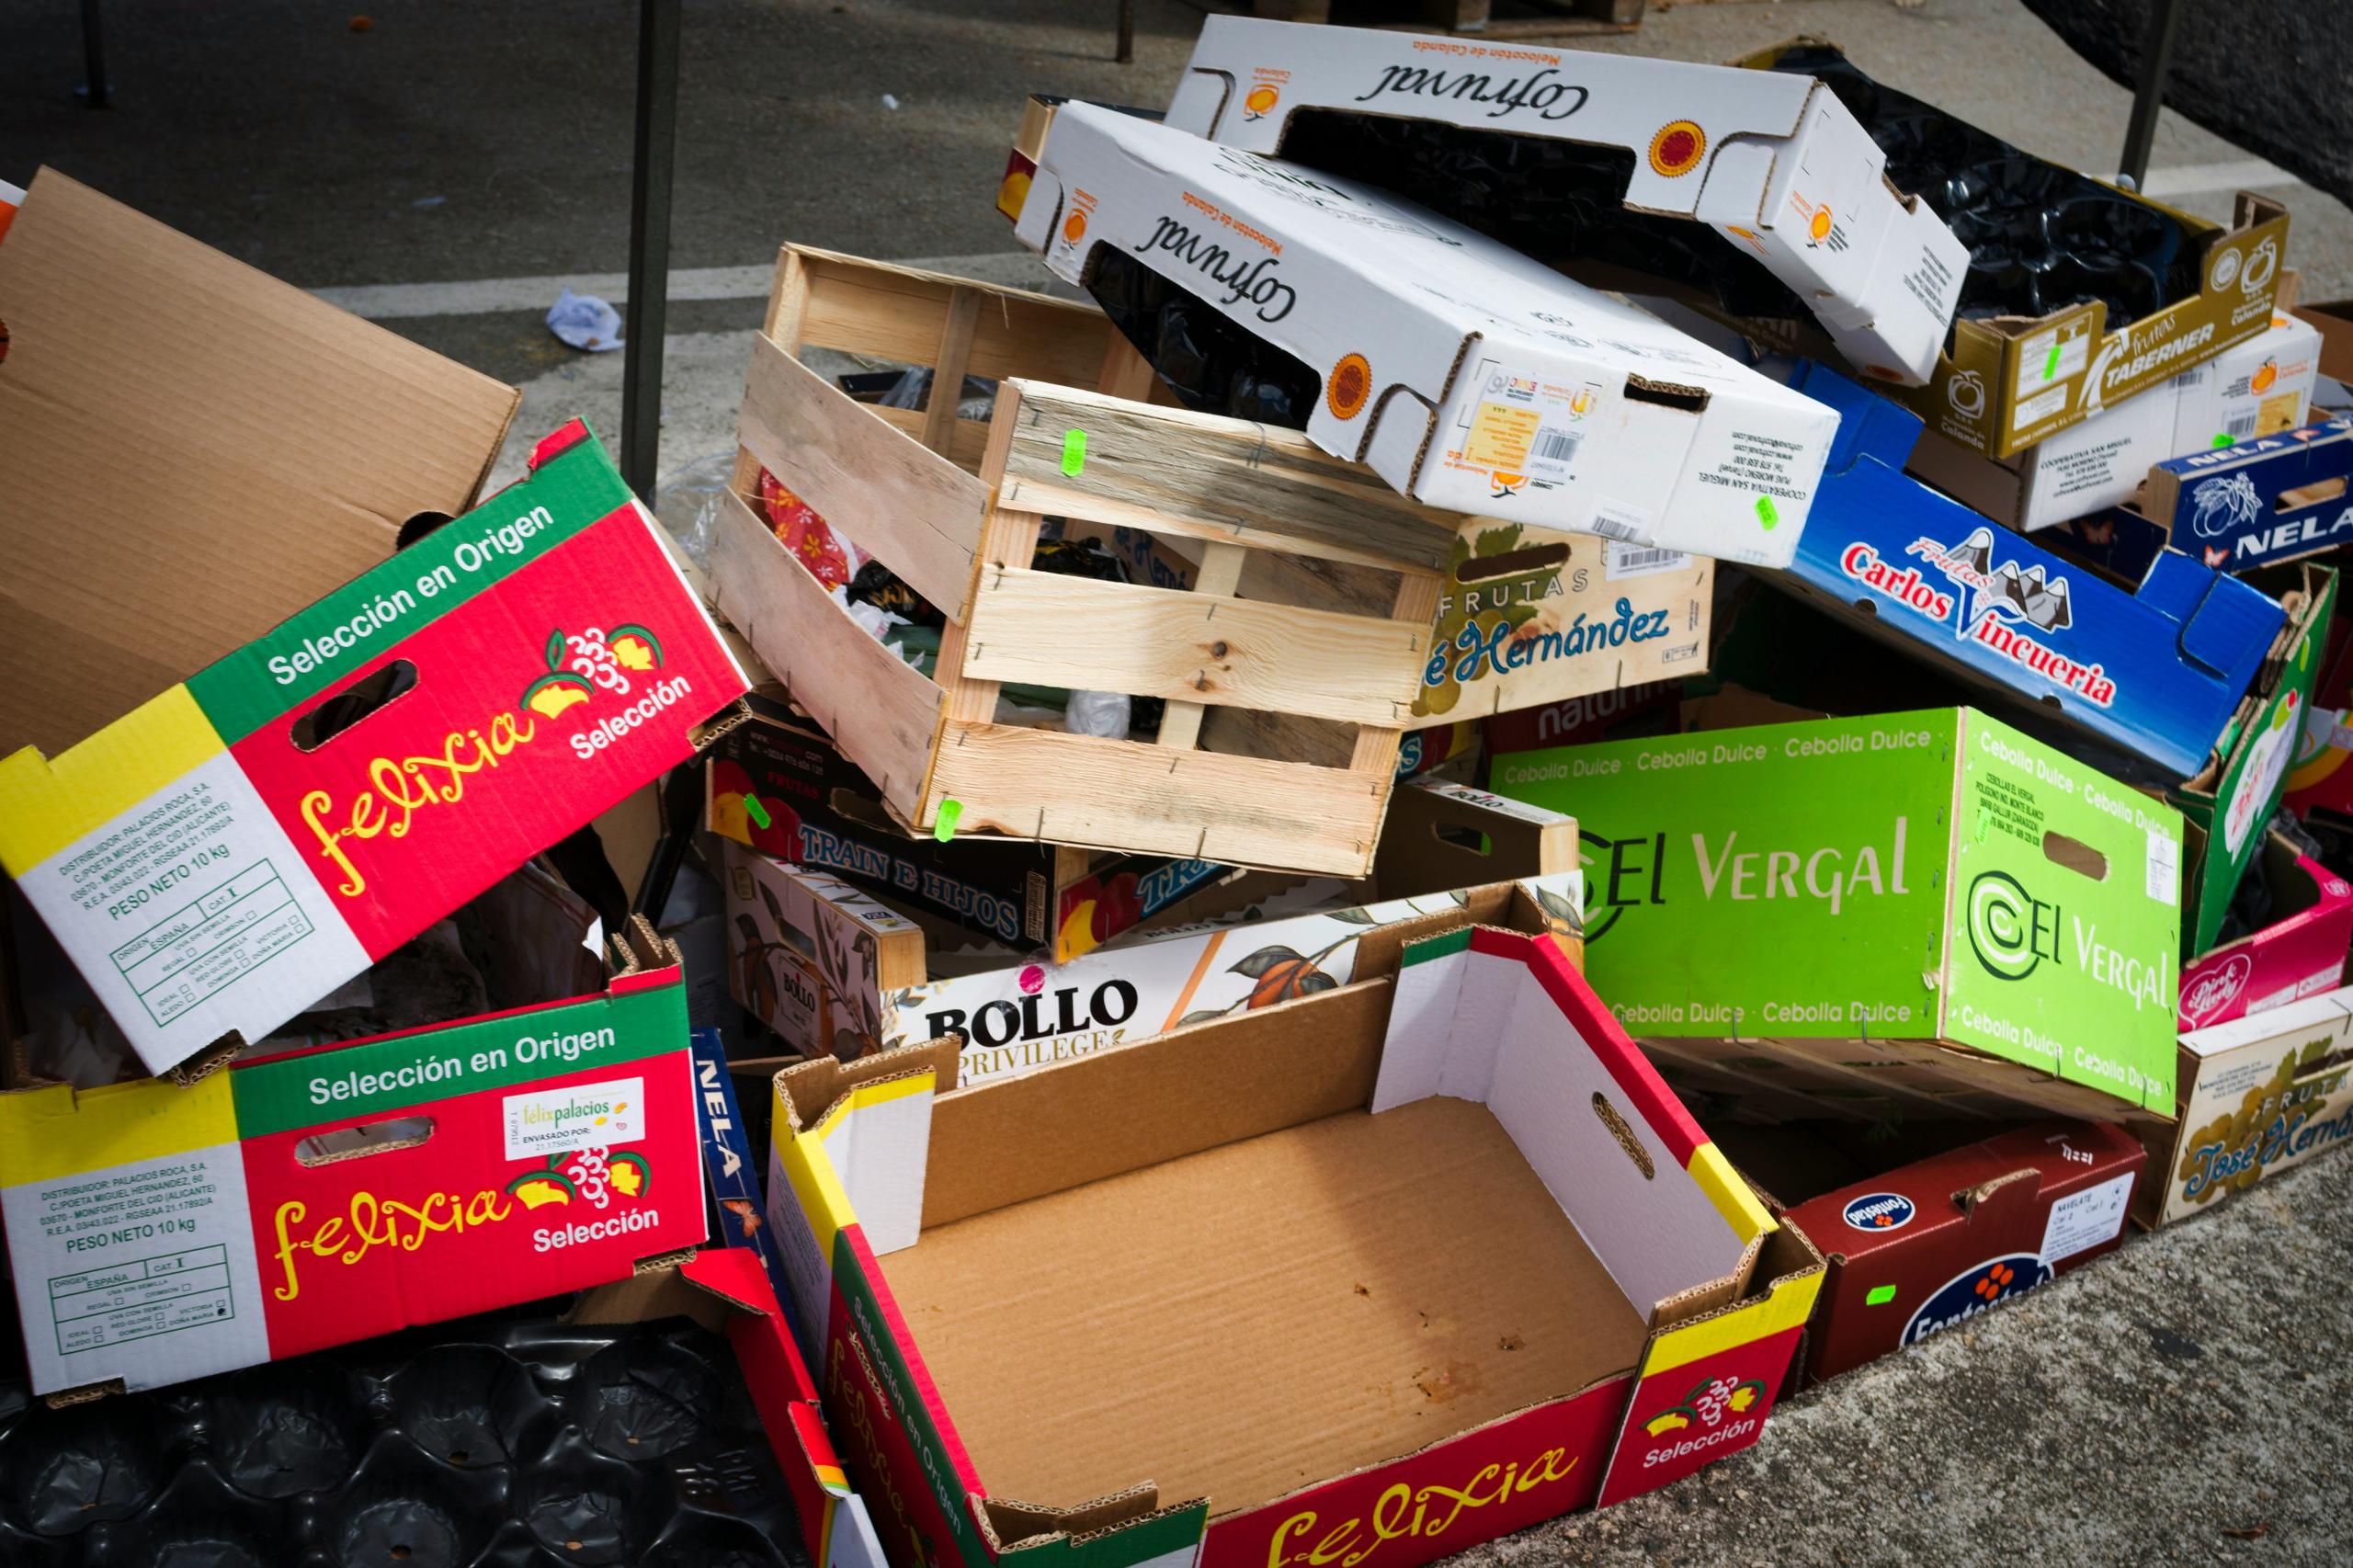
[[1616, 520], [1619, 559], [2239, 426], [1553, 451], [1611, 528]]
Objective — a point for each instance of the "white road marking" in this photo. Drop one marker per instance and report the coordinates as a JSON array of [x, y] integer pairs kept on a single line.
[[2247, 174], [489, 296]]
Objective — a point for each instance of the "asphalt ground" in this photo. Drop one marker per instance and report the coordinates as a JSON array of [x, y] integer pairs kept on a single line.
[[452, 165]]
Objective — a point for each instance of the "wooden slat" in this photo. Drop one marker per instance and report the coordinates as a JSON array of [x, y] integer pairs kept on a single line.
[[1219, 478], [882, 713], [1125, 795], [955, 351], [1042, 629], [967, 440], [1125, 373], [883, 311], [1219, 570], [1416, 607], [912, 509]]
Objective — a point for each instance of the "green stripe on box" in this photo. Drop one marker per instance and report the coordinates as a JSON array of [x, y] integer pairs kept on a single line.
[[404, 1072], [374, 612], [1162, 1535], [1447, 946]]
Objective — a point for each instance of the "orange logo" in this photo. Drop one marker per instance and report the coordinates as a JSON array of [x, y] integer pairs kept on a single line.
[[1820, 227], [1996, 1280], [1073, 228], [1348, 387], [1678, 147], [1506, 484], [1261, 99], [2265, 376]]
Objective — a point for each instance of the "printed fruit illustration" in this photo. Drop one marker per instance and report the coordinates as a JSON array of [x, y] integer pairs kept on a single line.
[[1262, 98], [635, 647], [1281, 974], [629, 1173], [1077, 933], [1659, 1425], [1508, 600], [539, 1188], [552, 695], [1995, 1281], [2265, 376]]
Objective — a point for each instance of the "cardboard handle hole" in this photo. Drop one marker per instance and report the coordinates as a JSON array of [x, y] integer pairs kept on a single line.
[[1513, 562], [1666, 395], [2294, 500], [2076, 855], [1468, 838], [367, 1138], [348, 706], [1624, 1134], [418, 526]]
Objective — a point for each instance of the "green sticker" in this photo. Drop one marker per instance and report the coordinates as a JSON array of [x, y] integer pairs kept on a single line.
[[1880, 1296], [1766, 513], [752, 809], [2223, 440], [1073, 451], [943, 826], [2050, 365]]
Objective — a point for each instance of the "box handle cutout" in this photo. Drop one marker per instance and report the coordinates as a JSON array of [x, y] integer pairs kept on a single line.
[[367, 1138], [1666, 395], [2294, 500], [1512, 562], [1468, 838], [418, 526], [2076, 855], [348, 706], [1625, 1136]]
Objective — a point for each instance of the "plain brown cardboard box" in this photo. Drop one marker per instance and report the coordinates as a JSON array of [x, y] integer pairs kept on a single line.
[[190, 451]]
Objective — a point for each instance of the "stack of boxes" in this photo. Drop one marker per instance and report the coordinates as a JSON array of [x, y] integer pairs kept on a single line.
[[1358, 760]]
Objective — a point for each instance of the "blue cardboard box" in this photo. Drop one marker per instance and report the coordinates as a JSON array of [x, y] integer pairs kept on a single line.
[[2258, 504], [2156, 671]]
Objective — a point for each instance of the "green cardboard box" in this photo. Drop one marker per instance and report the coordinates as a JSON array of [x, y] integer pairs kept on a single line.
[[1913, 914]]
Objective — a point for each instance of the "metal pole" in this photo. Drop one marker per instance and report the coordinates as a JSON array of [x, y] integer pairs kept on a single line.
[[2149, 97], [93, 57], [1127, 32], [649, 242]]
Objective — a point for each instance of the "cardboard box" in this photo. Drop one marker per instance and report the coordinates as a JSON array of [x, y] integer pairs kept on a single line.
[[2278, 499], [833, 971], [249, 840], [1652, 708], [317, 1196], [2259, 1094], [1504, 1273], [2258, 388], [1917, 1245], [722, 1289], [2007, 382], [2332, 319], [2299, 953], [826, 815], [1464, 374], [268, 447], [2317, 780], [2157, 672], [1774, 163], [2227, 805], [1928, 912]]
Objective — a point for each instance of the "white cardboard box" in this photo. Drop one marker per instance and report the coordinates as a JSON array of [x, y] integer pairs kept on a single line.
[[2258, 1093], [1463, 373], [1772, 162], [2259, 387]]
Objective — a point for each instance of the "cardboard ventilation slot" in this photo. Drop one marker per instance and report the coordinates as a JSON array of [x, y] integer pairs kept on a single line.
[[367, 1138], [2076, 855], [2310, 495], [1666, 395], [346, 708], [1624, 1135], [1512, 562]]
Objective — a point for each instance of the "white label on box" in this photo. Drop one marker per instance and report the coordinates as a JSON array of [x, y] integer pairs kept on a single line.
[[2044, 359], [143, 1272], [2034, 410], [2086, 1219], [1621, 524], [1620, 560], [2165, 867], [586, 1116], [1526, 425]]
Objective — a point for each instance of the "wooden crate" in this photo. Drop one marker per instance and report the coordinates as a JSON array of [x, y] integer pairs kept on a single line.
[[955, 507]]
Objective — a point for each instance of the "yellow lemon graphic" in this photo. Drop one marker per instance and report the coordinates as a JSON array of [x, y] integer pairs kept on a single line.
[[1666, 1423], [631, 654], [551, 695], [729, 819], [1260, 100], [1742, 1396], [628, 1175], [1078, 935]]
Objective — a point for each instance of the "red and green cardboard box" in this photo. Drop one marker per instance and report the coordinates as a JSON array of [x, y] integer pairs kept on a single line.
[[241, 844], [297, 1200], [1375, 1275], [1920, 1246]]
